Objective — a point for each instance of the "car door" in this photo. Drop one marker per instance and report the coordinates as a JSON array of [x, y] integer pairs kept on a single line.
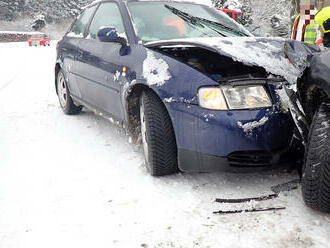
[[68, 49], [100, 62]]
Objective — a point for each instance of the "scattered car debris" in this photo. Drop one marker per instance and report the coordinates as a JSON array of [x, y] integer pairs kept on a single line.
[[260, 198], [250, 210], [277, 189], [288, 186]]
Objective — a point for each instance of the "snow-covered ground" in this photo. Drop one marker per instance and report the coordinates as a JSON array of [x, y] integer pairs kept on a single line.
[[75, 181]]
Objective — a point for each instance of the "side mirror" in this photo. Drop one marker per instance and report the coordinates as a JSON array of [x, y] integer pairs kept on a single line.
[[110, 34]]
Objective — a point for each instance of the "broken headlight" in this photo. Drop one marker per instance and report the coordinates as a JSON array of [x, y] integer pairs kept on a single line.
[[234, 97]]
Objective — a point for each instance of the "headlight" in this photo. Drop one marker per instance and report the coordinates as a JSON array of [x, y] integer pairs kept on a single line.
[[247, 97], [212, 98], [234, 97]]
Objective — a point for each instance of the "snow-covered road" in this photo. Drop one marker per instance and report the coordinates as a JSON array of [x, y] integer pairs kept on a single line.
[[75, 181]]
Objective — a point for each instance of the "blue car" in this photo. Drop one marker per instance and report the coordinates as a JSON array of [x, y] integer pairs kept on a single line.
[[199, 91]]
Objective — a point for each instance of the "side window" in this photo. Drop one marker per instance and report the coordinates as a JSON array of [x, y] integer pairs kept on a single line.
[[107, 15], [79, 26]]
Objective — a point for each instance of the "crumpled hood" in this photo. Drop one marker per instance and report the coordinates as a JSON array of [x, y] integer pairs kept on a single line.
[[268, 53]]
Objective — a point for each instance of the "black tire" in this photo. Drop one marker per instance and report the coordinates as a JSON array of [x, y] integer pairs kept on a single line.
[[158, 136], [316, 171], [64, 97]]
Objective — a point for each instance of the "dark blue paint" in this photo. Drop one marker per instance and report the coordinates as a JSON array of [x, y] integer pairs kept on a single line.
[[91, 67]]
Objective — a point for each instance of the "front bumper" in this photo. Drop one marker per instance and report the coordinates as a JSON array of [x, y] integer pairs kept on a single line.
[[213, 140], [245, 161]]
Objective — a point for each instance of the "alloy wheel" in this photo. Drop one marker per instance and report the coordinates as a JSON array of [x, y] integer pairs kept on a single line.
[[144, 135], [62, 90]]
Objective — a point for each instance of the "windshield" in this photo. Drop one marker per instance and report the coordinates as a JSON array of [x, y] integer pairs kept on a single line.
[[155, 21]]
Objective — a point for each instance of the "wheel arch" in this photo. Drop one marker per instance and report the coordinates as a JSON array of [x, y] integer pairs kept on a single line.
[[57, 70], [132, 108]]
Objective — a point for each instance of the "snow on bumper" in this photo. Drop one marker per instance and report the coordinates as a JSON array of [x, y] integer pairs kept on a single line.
[[209, 134]]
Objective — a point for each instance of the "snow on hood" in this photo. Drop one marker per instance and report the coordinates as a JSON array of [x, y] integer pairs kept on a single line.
[[263, 52], [155, 70]]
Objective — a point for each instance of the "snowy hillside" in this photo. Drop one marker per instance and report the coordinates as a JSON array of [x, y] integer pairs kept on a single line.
[[53, 10]]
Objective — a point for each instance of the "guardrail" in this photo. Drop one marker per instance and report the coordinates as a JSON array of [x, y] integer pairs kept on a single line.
[[12, 36]]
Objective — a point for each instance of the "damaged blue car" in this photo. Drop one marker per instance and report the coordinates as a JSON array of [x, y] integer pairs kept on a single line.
[[199, 91]]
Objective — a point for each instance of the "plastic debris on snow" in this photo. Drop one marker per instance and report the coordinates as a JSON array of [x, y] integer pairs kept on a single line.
[[155, 71], [250, 126]]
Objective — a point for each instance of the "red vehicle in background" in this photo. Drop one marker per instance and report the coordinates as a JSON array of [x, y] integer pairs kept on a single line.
[[39, 40], [236, 15]]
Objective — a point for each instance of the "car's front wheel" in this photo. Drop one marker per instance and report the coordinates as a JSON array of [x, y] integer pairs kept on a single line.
[[64, 97], [158, 138], [316, 171]]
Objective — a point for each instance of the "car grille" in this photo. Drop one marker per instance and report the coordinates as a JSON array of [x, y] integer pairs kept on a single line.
[[251, 159]]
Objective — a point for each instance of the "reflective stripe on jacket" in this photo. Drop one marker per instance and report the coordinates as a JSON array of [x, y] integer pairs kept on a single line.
[[311, 33]]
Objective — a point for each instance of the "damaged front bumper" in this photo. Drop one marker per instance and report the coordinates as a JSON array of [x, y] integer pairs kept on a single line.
[[210, 140], [298, 115]]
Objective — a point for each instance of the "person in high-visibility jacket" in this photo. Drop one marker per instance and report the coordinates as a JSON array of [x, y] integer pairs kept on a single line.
[[305, 28], [313, 34], [323, 18]]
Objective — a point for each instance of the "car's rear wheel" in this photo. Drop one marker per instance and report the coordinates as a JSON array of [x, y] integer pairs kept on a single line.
[[158, 138], [316, 171], [64, 97]]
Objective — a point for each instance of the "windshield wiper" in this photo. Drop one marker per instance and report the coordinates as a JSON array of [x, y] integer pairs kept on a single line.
[[222, 26], [184, 16], [196, 21], [199, 20]]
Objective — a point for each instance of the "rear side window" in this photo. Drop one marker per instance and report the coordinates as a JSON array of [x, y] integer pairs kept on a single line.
[[107, 15], [78, 28]]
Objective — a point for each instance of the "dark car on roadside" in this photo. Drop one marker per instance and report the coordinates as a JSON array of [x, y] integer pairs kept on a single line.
[[195, 86], [310, 107]]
